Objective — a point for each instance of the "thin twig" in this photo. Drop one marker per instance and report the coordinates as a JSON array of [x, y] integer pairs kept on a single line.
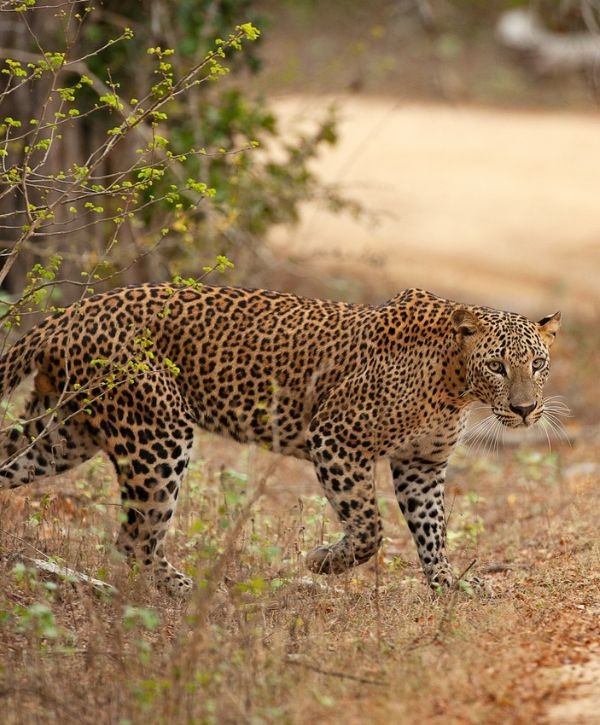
[[334, 673], [460, 577]]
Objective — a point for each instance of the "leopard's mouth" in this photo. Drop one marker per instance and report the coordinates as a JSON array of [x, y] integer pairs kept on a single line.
[[512, 420]]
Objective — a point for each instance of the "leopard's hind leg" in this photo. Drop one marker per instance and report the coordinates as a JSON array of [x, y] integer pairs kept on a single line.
[[148, 439], [344, 458], [44, 444]]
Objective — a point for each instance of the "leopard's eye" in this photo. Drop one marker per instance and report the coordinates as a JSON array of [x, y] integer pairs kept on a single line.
[[497, 367], [538, 364]]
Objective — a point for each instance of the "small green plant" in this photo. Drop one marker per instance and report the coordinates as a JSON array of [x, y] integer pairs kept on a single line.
[[143, 617], [542, 466], [38, 621], [36, 518], [140, 620], [37, 618], [466, 524]]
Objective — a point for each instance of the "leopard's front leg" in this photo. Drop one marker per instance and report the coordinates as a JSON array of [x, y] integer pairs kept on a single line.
[[419, 475], [419, 487]]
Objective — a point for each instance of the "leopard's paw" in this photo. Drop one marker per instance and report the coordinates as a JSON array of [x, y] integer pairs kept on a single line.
[[475, 586], [168, 579], [443, 580], [327, 560]]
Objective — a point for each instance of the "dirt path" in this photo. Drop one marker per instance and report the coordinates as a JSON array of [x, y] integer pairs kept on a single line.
[[583, 705], [497, 207]]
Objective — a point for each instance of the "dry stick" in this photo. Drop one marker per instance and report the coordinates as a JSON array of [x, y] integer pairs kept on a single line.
[[72, 575], [377, 607], [462, 574], [24, 541], [451, 602], [415, 644], [118, 656], [51, 567], [335, 673]]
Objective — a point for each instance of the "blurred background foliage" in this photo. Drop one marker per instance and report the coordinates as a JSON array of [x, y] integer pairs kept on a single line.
[[256, 177], [438, 50], [261, 173]]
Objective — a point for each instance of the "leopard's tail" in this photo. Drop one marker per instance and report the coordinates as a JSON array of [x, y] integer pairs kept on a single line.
[[19, 361]]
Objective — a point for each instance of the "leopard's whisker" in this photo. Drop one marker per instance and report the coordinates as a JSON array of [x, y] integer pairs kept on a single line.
[[499, 431], [556, 403], [557, 427], [554, 416], [471, 432], [545, 429], [479, 440], [551, 424], [562, 412]]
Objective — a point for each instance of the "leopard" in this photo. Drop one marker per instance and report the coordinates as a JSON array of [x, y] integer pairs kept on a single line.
[[134, 371]]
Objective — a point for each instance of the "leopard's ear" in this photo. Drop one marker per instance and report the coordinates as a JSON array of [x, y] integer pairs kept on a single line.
[[465, 322], [549, 326]]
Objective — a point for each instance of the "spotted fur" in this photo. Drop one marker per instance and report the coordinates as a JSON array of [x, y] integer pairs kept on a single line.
[[133, 371]]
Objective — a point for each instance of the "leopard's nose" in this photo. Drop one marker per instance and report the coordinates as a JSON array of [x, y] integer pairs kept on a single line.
[[522, 410]]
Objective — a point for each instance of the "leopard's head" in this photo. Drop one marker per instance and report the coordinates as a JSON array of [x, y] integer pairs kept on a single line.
[[507, 361]]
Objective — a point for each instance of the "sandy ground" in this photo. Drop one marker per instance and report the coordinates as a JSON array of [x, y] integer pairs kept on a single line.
[[583, 708], [488, 206], [499, 208]]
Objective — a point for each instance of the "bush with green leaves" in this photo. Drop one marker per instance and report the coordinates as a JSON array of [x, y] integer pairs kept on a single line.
[[126, 155]]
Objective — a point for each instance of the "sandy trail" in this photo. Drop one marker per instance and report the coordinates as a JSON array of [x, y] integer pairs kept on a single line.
[[583, 708], [489, 206]]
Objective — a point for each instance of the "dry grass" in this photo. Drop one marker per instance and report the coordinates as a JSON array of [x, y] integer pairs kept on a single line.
[[262, 642]]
